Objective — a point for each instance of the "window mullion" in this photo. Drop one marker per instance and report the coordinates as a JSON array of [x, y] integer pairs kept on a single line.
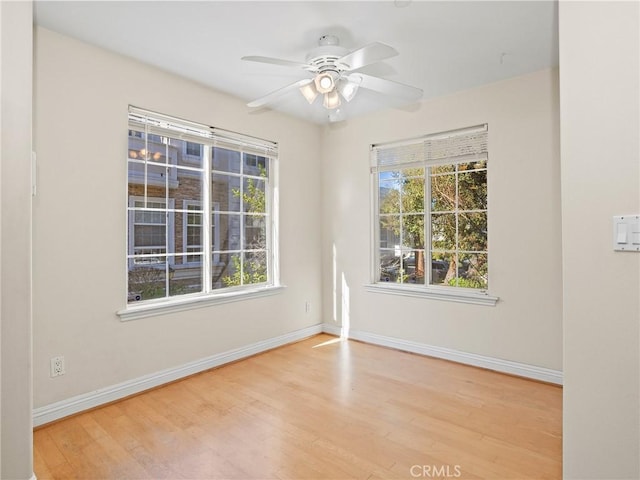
[[207, 212], [269, 221], [401, 236], [427, 225], [146, 163], [167, 224], [242, 218], [457, 217]]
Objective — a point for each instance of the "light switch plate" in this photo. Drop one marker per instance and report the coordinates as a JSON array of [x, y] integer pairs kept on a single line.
[[626, 233]]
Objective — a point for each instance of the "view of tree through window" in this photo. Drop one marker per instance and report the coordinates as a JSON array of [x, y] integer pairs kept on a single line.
[[199, 216], [434, 214]]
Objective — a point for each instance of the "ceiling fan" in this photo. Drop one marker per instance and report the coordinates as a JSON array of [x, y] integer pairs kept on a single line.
[[334, 73]]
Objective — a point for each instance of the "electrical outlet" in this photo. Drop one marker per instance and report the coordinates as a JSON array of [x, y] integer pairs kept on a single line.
[[307, 307], [57, 366]]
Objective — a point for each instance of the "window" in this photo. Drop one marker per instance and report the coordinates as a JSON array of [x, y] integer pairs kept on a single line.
[[430, 216], [197, 229]]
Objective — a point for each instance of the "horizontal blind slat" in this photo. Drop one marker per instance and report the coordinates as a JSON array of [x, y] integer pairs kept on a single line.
[[160, 124], [457, 146]]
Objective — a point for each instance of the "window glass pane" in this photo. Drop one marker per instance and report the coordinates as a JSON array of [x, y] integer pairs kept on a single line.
[[472, 190], [193, 149], [156, 187], [412, 172], [442, 268], [389, 231], [147, 282], [477, 165], [153, 175], [389, 266], [183, 281], [148, 232], [153, 150], [229, 231], [225, 193], [473, 231], [255, 232], [226, 272], [412, 191], [443, 231], [443, 193], [185, 185], [407, 267], [255, 165], [182, 152], [254, 267], [472, 272], [225, 160], [389, 193], [450, 168], [253, 196], [149, 237], [191, 153], [413, 231], [413, 267]]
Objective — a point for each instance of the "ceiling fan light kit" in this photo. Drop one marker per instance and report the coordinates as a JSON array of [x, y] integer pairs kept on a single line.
[[310, 92], [331, 100], [333, 68], [349, 88], [324, 82]]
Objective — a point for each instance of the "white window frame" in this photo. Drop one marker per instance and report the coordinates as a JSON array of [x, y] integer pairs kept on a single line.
[[416, 155], [210, 137]]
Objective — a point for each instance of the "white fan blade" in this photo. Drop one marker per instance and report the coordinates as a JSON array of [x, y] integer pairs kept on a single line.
[[278, 61], [372, 53], [273, 95], [389, 87]]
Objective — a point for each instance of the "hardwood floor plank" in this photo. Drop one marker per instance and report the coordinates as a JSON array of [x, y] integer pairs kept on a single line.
[[318, 409]]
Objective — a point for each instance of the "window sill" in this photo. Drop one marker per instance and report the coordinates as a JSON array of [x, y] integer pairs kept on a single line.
[[136, 311], [449, 295]]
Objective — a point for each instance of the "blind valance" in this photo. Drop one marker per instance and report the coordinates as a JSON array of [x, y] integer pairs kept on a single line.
[[159, 124], [454, 146]]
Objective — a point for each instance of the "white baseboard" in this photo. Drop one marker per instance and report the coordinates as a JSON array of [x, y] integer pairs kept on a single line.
[[79, 403], [499, 365]]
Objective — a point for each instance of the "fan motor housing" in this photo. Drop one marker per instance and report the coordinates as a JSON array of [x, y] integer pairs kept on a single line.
[[324, 56]]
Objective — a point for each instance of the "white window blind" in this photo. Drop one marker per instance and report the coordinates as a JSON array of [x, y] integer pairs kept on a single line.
[[159, 124], [455, 146]]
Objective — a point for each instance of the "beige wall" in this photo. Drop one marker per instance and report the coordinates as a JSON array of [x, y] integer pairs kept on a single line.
[[15, 240], [524, 224], [81, 99], [600, 124]]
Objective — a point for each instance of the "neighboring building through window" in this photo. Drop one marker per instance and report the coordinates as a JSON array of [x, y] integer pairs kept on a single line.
[[200, 217], [431, 210]]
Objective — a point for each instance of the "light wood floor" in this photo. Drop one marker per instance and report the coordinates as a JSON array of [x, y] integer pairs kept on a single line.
[[317, 409]]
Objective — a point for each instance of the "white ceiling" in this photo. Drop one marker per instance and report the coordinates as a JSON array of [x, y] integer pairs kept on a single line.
[[444, 46]]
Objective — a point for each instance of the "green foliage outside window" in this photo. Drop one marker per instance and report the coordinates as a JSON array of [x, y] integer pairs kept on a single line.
[[254, 268]]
